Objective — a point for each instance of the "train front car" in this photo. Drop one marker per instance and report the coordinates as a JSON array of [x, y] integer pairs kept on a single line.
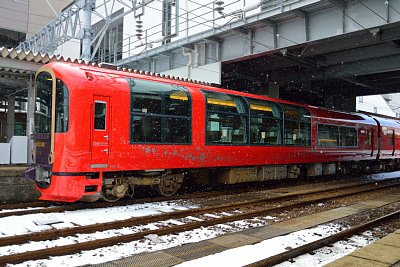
[[50, 154]]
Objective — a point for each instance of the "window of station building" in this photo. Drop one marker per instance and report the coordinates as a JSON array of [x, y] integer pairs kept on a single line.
[[297, 125], [265, 122], [227, 118], [336, 136], [160, 113]]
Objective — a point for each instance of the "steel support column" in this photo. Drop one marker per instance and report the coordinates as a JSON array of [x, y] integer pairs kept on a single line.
[[10, 117], [30, 116], [87, 31]]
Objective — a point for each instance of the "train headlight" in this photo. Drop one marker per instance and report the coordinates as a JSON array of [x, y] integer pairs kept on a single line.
[[43, 177]]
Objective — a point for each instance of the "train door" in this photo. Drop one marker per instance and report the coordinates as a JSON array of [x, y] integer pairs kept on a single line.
[[100, 131], [392, 141], [371, 140]]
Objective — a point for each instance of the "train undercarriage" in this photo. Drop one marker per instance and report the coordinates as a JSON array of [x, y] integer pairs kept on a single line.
[[117, 185]]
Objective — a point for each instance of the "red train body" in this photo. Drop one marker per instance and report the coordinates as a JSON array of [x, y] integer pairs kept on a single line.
[[103, 132]]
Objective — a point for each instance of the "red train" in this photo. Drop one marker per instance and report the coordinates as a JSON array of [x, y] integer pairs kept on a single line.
[[101, 132]]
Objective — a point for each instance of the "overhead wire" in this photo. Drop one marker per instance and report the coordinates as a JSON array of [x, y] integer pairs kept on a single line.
[[391, 6]]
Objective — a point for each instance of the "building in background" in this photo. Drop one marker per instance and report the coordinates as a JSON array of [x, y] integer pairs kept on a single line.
[[378, 104], [394, 102]]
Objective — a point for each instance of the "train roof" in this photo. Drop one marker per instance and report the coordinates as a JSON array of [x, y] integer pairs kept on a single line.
[[386, 121]]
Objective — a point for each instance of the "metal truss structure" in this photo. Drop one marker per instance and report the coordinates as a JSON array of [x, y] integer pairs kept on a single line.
[[75, 23], [62, 29]]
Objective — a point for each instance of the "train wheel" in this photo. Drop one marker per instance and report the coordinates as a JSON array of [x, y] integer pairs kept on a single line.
[[107, 196], [168, 186]]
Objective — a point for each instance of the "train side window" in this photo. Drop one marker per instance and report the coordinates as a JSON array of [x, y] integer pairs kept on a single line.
[[297, 125], [160, 113], [328, 135], [336, 136], [99, 115], [227, 117], [391, 137], [265, 122], [368, 140], [348, 136]]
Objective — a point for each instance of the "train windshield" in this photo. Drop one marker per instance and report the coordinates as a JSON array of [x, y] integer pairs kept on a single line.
[[44, 84]]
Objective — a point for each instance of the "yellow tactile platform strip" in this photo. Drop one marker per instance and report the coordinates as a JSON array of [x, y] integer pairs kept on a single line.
[[179, 254], [383, 252]]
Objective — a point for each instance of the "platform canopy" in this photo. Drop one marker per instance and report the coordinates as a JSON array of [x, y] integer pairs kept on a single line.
[[16, 68]]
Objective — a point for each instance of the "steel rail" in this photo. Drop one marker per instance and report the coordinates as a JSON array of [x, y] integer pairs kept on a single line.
[[53, 207], [76, 248], [48, 208], [24, 205], [284, 256]]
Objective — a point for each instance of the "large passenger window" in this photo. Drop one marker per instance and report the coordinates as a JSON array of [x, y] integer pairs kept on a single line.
[[265, 122], [328, 135], [348, 136], [297, 125], [227, 117], [160, 113], [336, 136]]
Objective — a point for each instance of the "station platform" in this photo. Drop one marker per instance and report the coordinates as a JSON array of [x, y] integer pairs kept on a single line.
[[384, 252], [14, 187], [179, 254]]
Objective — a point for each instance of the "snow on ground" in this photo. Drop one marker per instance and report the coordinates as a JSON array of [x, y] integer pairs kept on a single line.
[[326, 255], [249, 254], [17, 225], [384, 175], [15, 210], [233, 257]]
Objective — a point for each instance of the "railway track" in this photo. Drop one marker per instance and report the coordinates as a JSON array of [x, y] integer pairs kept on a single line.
[[298, 251], [48, 207], [225, 213], [51, 207]]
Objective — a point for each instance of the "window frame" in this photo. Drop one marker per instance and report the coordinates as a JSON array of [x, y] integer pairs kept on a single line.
[[60, 87], [132, 114], [279, 120], [309, 122], [355, 128], [245, 115], [105, 115]]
